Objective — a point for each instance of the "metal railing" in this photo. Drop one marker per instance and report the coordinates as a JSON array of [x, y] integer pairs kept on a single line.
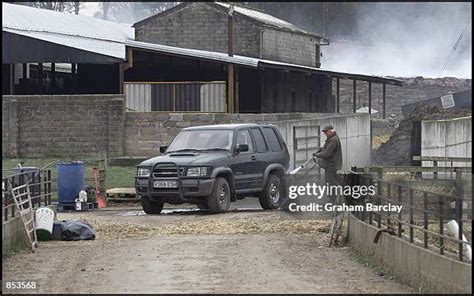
[[423, 214], [39, 182]]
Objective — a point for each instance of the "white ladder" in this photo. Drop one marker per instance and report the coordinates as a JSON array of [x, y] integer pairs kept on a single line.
[[22, 197]]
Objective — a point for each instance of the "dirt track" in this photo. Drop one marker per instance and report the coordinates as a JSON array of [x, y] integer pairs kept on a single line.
[[249, 260]]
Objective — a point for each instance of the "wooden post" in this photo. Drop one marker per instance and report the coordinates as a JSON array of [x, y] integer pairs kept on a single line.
[[230, 88], [236, 90], [338, 97], [40, 77], [383, 100], [12, 79], [354, 94], [53, 78], [121, 74], [25, 70], [130, 57]]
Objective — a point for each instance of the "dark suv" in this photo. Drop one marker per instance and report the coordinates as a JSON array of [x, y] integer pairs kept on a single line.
[[213, 165]]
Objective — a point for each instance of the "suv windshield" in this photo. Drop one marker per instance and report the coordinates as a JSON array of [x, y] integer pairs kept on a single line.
[[202, 140]]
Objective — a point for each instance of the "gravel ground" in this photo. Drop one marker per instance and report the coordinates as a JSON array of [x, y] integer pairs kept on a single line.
[[246, 251]]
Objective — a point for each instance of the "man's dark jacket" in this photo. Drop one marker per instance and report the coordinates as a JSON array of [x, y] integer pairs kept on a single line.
[[331, 153]]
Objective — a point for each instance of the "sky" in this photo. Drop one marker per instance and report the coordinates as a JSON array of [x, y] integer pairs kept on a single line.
[[399, 40]]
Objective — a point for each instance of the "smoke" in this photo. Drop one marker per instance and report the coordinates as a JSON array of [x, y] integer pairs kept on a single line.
[[404, 40]]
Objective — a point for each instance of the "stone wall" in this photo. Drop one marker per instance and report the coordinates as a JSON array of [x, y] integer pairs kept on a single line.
[[382, 127], [62, 126]]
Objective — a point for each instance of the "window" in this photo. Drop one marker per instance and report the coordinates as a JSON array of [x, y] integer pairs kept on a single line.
[[243, 137], [272, 139], [259, 141], [202, 139]]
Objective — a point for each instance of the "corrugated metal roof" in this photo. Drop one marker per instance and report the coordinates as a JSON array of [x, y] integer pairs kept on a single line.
[[104, 47], [195, 53], [77, 31], [250, 62], [110, 39], [265, 18]]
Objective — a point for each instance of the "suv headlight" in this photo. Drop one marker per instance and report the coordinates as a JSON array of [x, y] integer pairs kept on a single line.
[[143, 172], [198, 171]]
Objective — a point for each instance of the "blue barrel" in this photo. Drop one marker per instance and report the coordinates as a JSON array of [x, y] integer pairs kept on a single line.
[[70, 181]]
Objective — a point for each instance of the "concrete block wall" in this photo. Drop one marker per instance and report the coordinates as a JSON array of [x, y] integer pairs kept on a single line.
[[13, 235], [146, 131], [64, 126], [289, 47], [423, 270], [200, 26], [447, 138], [352, 129]]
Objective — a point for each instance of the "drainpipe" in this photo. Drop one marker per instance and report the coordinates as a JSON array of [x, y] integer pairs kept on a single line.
[[261, 43]]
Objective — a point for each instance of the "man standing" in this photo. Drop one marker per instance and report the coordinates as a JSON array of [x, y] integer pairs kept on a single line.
[[330, 156]]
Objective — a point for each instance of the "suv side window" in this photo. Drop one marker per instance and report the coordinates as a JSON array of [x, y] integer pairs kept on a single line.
[[243, 137], [259, 141], [272, 139]]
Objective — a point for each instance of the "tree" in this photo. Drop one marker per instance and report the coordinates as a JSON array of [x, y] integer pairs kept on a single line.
[[73, 6], [131, 12]]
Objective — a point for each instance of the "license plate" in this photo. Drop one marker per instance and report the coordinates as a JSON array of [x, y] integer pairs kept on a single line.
[[166, 184]]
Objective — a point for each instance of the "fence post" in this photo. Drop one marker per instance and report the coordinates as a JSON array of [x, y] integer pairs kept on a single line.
[[400, 214], [49, 186], [379, 196], [389, 193], [425, 219], [441, 225], [458, 218]]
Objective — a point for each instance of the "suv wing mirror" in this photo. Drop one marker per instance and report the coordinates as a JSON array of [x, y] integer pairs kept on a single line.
[[163, 148], [241, 148]]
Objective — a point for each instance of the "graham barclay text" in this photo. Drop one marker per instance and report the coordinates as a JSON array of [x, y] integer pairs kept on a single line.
[[329, 207]]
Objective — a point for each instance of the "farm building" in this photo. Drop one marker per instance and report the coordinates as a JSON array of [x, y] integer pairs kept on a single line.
[[98, 56]]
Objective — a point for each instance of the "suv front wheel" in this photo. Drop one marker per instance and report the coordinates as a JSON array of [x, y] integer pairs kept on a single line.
[[151, 206], [271, 196], [219, 200]]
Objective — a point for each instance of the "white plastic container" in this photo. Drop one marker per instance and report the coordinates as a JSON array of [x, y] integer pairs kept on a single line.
[[44, 223], [454, 229]]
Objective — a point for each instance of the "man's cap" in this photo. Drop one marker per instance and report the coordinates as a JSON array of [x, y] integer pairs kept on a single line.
[[328, 127]]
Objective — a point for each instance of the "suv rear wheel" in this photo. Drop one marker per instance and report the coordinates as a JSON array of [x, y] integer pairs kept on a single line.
[[150, 206], [219, 200], [271, 196]]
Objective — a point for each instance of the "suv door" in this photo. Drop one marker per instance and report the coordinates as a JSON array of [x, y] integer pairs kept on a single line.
[[263, 155], [245, 164]]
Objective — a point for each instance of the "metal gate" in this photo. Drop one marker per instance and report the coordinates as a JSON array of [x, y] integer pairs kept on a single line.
[[306, 141]]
